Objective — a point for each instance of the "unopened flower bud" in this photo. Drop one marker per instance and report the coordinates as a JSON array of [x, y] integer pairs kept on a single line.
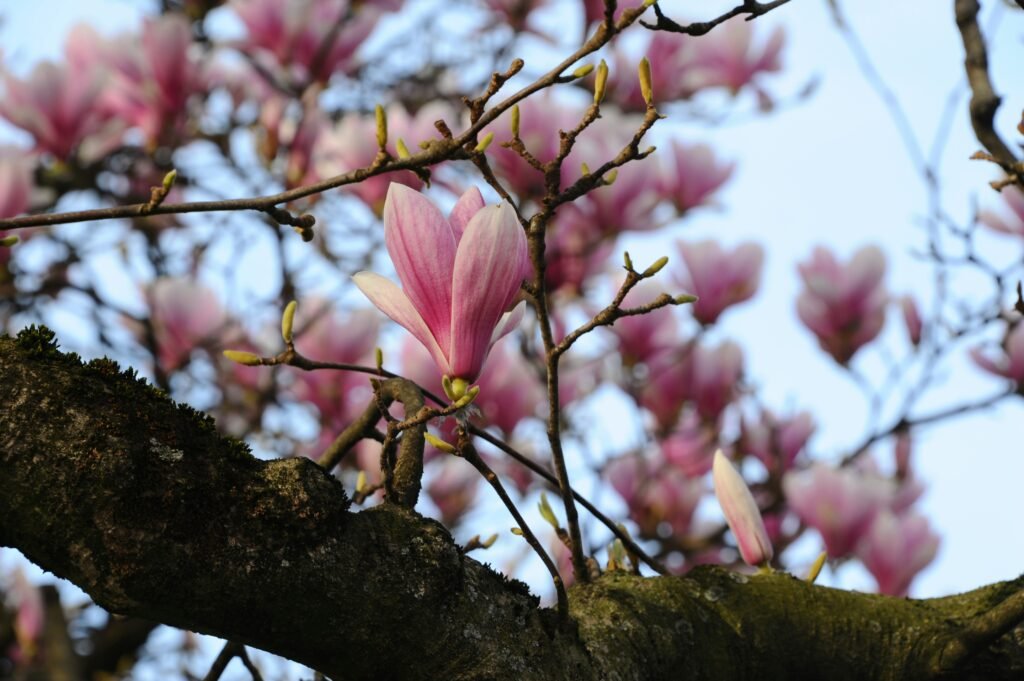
[[583, 71], [382, 126], [685, 299], [611, 176], [645, 81], [9, 241], [169, 179], [485, 142], [741, 512], [287, 321], [515, 121], [403, 151], [546, 512], [438, 444], [815, 570], [240, 357], [600, 81], [656, 266]]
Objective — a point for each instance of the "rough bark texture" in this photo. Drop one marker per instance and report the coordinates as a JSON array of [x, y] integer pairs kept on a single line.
[[138, 501]]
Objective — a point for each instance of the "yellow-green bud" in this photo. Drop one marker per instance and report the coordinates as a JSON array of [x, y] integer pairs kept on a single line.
[[628, 260], [685, 299], [169, 179], [656, 266], [515, 121], [583, 71], [468, 398], [815, 570], [600, 81], [448, 387], [361, 482], [545, 511], [645, 81], [485, 142], [8, 241], [382, 126], [240, 357], [438, 443], [489, 542], [585, 168], [287, 321], [517, 532], [403, 151], [378, 356], [610, 177]]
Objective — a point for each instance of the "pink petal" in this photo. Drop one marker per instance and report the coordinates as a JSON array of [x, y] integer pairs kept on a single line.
[[741, 512], [509, 322], [422, 246], [488, 273], [393, 302], [468, 205]]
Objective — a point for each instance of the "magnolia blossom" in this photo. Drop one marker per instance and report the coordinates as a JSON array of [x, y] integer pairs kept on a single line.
[[843, 305], [15, 182], [896, 548], [1008, 222], [692, 175], [912, 319], [183, 315], [741, 512], [576, 250], [349, 337], [655, 493], [719, 277], [727, 57], [460, 276], [839, 503], [716, 376], [1008, 361], [57, 104], [352, 144], [290, 35], [691, 446], [776, 442]]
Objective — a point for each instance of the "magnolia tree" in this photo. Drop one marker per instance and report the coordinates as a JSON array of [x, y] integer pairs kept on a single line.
[[264, 184]]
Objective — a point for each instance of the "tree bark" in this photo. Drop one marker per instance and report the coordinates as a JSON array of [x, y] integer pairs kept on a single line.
[[108, 483]]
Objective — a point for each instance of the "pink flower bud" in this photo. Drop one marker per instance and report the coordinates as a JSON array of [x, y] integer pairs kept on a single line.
[[719, 277], [741, 512]]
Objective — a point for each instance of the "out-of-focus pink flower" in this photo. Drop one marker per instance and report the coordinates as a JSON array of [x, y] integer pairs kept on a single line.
[[593, 10], [1008, 362], [777, 442], [912, 319], [57, 104], [716, 377], [718, 277], [741, 512], [516, 14], [540, 119], [896, 548], [29, 613], [727, 57], [692, 175], [655, 493], [576, 250], [352, 144], [903, 446], [691, 446], [183, 314], [453, 488], [291, 35], [642, 337], [324, 333], [843, 305], [668, 386], [1011, 222], [460, 276], [667, 57], [839, 503], [15, 182]]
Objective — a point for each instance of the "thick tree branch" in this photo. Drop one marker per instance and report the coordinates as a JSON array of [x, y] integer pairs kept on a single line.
[[139, 502]]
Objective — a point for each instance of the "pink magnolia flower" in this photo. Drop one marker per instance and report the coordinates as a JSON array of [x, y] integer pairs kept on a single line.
[[716, 377], [29, 613], [15, 182], [691, 446], [693, 174], [741, 512], [57, 104], [183, 314], [912, 319], [668, 386], [352, 144], [459, 276], [843, 305], [719, 277], [1008, 362], [667, 57], [655, 493], [777, 442], [727, 57], [576, 250], [593, 10], [1011, 222], [642, 337], [839, 503], [896, 548], [324, 333], [290, 35], [453, 488]]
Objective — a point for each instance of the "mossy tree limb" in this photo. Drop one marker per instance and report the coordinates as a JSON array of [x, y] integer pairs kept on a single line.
[[138, 501]]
